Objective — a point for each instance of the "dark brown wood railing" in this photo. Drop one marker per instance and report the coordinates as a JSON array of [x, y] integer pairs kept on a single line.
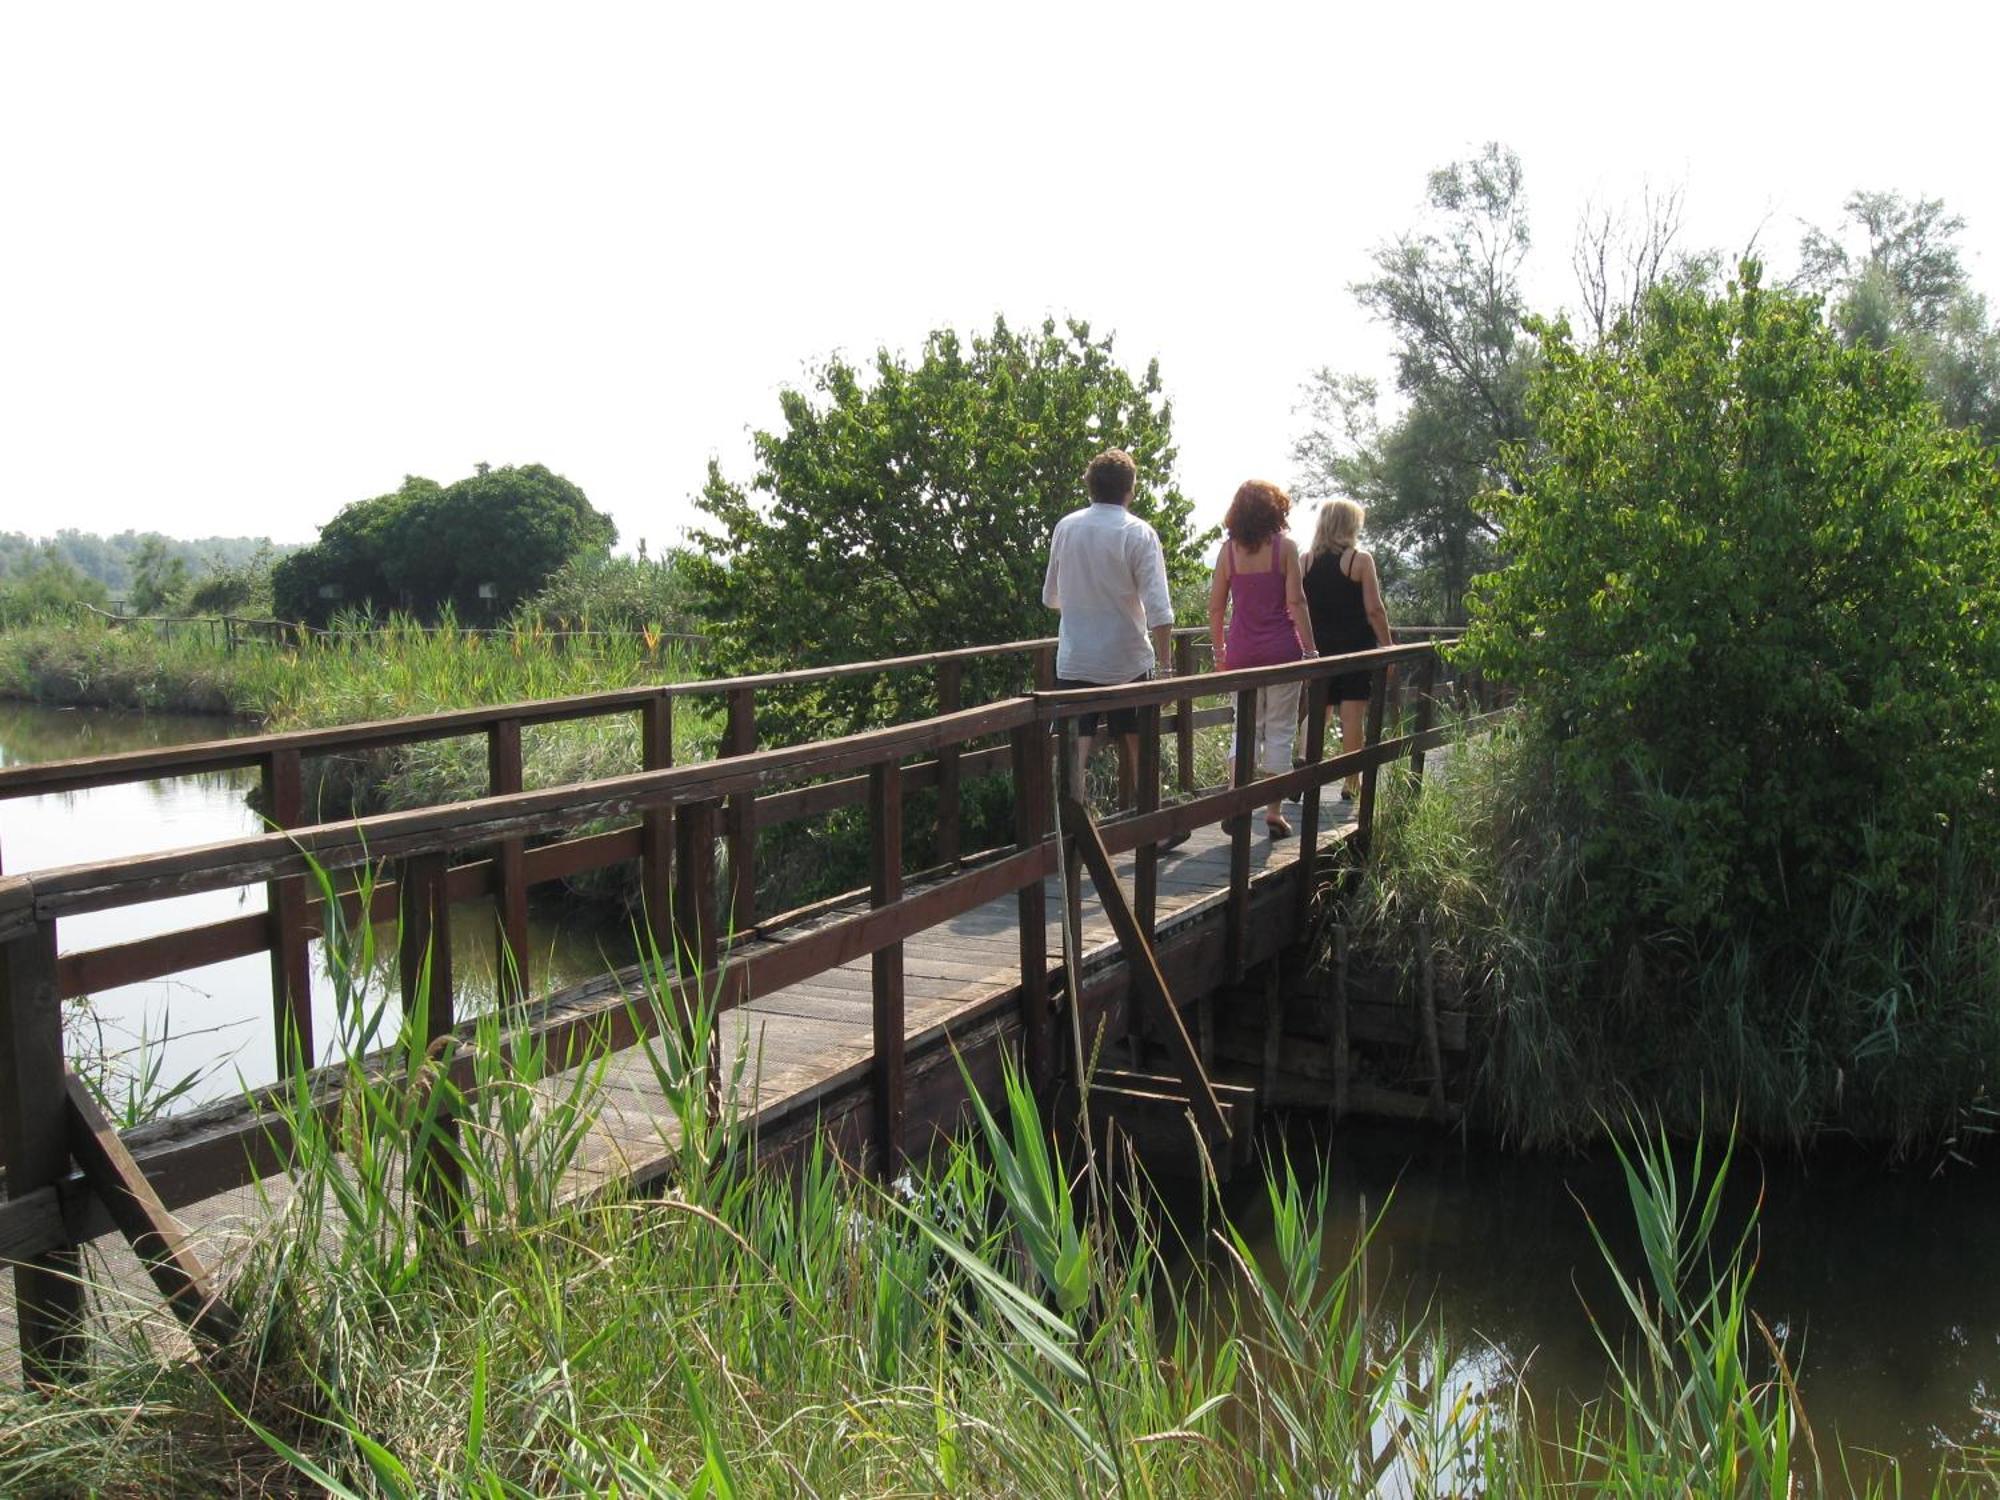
[[672, 818]]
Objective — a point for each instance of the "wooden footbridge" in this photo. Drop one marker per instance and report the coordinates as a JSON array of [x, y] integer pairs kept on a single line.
[[853, 1014]]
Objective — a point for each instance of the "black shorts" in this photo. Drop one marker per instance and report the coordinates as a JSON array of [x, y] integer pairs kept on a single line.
[[1123, 720], [1349, 687]]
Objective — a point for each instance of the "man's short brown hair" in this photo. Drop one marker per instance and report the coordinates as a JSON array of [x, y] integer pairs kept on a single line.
[[1112, 476]]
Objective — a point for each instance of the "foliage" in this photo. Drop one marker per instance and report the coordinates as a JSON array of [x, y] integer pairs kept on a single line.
[[1754, 576], [619, 593], [1745, 853], [110, 559], [911, 511], [159, 577], [426, 546], [242, 588], [1904, 286], [49, 590], [1450, 293]]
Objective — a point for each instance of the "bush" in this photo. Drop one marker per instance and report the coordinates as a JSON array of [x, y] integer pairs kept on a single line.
[[619, 593], [1753, 615]]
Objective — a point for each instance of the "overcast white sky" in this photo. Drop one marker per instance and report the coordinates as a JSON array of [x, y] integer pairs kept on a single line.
[[258, 261]]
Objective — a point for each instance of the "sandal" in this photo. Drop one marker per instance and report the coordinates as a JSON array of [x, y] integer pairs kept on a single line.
[[1277, 828]]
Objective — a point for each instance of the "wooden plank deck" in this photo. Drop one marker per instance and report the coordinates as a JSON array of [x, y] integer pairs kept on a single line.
[[797, 1043]]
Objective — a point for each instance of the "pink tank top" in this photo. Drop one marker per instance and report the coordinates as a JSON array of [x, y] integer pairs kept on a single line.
[[1260, 631]]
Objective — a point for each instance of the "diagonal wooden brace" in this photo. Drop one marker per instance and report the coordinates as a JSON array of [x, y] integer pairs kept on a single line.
[[120, 1183], [1147, 981]]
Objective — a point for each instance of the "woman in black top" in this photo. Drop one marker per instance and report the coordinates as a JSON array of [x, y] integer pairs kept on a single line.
[[1344, 597]]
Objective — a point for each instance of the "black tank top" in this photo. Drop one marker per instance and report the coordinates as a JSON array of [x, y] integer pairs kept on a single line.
[[1339, 616]]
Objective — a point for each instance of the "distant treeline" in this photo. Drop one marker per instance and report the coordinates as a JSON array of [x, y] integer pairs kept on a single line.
[[114, 560]]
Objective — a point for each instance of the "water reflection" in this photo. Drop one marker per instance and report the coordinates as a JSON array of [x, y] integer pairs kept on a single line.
[[212, 1023], [1876, 1280]]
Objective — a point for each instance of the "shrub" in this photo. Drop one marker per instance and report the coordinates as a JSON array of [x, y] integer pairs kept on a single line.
[[1753, 615]]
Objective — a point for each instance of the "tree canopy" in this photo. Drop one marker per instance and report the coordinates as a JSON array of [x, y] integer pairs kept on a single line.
[[1893, 278], [426, 547], [908, 509], [1752, 603], [1450, 292]]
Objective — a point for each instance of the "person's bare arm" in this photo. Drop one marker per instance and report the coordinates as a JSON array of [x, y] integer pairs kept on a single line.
[[1371, 600], [1218, 604], [1295, 599], [1163, 649]]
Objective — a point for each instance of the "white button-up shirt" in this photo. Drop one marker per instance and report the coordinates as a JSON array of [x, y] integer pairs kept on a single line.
[[1108, 576]]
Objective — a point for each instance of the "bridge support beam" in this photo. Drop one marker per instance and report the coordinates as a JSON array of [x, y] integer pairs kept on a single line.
[[34, 1147]]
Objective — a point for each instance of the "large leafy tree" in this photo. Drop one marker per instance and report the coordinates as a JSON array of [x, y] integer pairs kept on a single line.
[[1450, 292], [1752, 607], [907, 508], [1893, 278], [1749, 843], [427, 547]]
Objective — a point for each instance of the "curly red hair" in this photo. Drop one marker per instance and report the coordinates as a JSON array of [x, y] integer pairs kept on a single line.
[[1258, 511]]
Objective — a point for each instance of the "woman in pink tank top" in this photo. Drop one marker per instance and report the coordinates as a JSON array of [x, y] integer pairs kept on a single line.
[[1257, 617]]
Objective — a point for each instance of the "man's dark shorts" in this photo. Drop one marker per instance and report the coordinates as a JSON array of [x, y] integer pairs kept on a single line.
[[1123, 720]]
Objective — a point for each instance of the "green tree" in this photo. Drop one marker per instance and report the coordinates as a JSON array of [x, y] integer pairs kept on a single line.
[[159, 577], [1893, 278], [909, 510], [46, 590], [1752, 607], [425, 547], [1450, 292]]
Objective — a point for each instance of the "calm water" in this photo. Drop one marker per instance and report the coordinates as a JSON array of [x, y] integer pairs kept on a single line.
[[215, 1021], [1879, 1281]]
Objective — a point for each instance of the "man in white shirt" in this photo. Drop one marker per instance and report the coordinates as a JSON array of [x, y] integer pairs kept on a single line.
[[1108, 576]]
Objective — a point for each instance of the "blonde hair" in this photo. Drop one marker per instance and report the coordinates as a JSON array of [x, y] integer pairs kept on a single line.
[[1339, 527]]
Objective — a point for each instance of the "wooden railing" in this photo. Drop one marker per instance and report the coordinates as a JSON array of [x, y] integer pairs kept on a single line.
[[672, 820]]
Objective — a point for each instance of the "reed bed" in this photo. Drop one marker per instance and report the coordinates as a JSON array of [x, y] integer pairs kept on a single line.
[[1008, 1320]]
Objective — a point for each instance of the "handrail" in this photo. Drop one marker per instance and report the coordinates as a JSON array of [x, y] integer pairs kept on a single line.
[[93, 886], [81, 773]]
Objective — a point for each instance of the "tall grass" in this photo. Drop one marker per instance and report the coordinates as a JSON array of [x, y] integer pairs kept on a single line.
[[1871, 1025], [979, 1328]]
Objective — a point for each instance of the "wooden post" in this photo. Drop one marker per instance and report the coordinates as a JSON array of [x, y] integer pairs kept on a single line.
[[1274, 1024], [34, 1148], [1309, 807], [950, 688], [885, 884], [424, 963], [156, 1238], [739, 828], [1427, 1012], [1146, 858], [656, 830], [1184, 715], [510, 886], [1341, 1058], [695, 942], [1364, 809], [285, 906], [1426, 690], [1045, 668], [1031, 827], [1067, 771], [1238, 935]]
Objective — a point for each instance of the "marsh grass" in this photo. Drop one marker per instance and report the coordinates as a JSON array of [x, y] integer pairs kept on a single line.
[[985, 1326], [1862, 1021]]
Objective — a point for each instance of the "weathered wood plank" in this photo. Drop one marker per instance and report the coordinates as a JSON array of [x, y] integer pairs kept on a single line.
[[160, 1243]]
